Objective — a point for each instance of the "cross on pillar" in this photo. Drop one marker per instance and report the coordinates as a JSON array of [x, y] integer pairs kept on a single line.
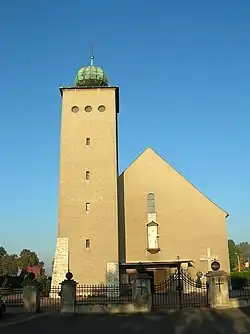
[[141, 286], [209, 258], [219, 283]]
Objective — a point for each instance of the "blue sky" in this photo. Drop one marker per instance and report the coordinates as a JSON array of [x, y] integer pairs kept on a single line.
[[184, 75]]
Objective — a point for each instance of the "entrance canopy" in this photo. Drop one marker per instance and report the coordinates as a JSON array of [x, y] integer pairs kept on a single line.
[[157, 265]]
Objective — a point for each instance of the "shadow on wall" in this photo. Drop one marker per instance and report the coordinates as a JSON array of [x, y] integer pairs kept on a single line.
[[189, 321], [121, 220]]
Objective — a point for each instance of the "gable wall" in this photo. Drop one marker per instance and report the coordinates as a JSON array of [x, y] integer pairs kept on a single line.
[[188, 222]]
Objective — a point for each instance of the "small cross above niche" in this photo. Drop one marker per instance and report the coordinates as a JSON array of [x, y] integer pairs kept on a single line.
[[208, 258]]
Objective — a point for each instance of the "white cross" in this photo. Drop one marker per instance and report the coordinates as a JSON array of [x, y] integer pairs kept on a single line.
[[209, 258]]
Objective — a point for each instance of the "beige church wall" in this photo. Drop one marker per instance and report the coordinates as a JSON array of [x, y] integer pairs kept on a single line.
[[100, 224], [188, 222]]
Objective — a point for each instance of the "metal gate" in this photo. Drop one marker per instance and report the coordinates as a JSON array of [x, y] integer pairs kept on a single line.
[[52, 301], [179, 291]]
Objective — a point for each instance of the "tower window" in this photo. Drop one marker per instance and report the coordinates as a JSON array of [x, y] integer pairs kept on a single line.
[[88, 141], [87, 206], [87, 243], [75, 109], [87, 175], [101, 108], [88, 108]]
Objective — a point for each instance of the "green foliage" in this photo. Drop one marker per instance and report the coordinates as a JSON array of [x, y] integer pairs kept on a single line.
[[2, 251], [52, 265], [27, 258], [244, 249], [9, 265], [238, 254], [232, 249], [45, 284], [198, 283], [244, 274], [14, 282], [240, 279]]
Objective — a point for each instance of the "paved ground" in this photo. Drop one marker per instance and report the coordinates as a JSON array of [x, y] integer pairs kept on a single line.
[[195, 321]]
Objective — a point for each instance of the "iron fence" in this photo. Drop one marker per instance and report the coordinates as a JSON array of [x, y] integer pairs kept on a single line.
[[240, 290], [12, 297], [104, 294]]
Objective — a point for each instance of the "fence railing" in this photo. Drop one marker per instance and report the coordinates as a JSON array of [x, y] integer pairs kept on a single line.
[[51, 302], [104, 294], [12, 297], [239, 288], [54, 292]]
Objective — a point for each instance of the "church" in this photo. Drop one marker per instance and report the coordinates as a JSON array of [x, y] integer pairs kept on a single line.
[[108, 223]]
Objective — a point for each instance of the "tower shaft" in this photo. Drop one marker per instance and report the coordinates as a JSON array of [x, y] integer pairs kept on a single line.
[[88, 214]]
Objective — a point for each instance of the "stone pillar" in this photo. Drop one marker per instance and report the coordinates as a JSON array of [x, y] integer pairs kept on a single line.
[[61, 262], [218, 295], [31, 296], [112, 273], [141, 292], [68, 294]]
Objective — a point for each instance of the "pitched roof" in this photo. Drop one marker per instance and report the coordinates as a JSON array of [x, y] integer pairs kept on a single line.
[[154, 152]]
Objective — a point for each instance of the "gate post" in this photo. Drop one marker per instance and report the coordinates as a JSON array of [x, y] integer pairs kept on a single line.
[[141, 292], [68, 294], [218, 295], [31, 294]]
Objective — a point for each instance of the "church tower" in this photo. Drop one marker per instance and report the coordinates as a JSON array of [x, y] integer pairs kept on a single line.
[[87, 243]]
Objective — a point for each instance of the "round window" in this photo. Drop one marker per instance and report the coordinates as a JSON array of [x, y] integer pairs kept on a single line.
[[101, 108], [75, 109], [88, 108]]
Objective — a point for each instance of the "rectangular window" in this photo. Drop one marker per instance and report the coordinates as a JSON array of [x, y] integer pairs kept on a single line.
[[87, 243], [87, 175], [88, 206], [151, 203], [88, 141]]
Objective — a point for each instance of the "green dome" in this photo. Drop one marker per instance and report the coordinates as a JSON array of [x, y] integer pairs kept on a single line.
[[91, 76]]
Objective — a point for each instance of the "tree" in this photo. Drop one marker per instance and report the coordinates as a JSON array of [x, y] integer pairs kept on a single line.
[[27, 262], [233, 251], [27, 258], [41, 265], [2, 251], [44, 283], [244, 249], [53, 265], [9, 265]]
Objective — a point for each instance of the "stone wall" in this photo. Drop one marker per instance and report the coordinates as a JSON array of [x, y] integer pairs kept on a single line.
[[61, 261]]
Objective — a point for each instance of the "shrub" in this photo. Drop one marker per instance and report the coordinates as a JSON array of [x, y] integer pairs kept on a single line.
[[44, 284], [13, 282], [240, 280], [198, 283]]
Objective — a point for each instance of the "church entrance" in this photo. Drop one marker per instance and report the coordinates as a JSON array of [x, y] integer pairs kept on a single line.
[[179, 291], [171, 284]]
